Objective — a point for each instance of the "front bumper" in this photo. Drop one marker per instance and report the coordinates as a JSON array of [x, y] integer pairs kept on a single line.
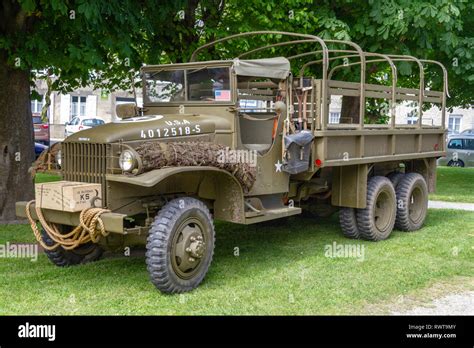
[[113, 222]]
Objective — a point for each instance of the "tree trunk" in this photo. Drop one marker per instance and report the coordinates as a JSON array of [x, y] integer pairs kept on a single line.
[[16, 138], [350, 109]]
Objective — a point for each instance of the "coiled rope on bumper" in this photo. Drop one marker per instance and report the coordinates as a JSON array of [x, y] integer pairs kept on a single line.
[[90, 229]]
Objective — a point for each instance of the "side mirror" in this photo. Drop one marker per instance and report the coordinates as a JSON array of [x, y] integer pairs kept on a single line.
[[66, 123], [126, 110]]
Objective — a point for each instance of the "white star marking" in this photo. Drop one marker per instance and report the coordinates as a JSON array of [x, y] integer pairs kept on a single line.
[[278, 166]]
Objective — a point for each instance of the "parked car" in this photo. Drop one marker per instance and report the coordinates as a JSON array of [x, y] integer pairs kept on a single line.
[[79, 123], [459, 152], [41, 130], [39, 148], [468, 132], [451, 134]]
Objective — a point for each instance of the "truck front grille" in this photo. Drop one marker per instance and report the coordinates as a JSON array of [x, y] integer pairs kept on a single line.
[[85, 162]]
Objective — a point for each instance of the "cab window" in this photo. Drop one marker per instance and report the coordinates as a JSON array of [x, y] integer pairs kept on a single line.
[[208, 84]]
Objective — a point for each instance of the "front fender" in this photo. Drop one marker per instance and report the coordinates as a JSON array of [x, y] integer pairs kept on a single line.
[[204, 181]]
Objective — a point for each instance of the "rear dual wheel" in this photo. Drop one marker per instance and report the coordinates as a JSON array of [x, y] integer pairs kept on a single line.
[[395, 178], [399, 200], [375, 222], [412, 202], [348, 222]]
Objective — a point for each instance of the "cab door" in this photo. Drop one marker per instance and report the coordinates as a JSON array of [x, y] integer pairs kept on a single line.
[[260, 115]]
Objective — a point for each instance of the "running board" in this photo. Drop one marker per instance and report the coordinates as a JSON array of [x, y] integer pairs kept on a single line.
[[270, 214]]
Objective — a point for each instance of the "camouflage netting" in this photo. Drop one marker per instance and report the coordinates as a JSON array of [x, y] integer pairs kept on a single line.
[[155, 155], [46, 161]]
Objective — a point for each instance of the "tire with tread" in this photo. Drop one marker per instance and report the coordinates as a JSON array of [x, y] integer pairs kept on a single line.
[[412, 202], [376, 221], [89, 252], [348, 222], [457, 163], [165, 228], [395, 178]]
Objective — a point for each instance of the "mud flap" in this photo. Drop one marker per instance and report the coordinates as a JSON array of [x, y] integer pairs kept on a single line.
[[349, 186]]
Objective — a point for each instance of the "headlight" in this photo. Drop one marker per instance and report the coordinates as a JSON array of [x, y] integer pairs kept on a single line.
[[127, 160], [58, 157]]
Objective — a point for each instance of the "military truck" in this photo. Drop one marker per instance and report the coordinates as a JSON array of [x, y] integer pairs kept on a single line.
[[306, 157]]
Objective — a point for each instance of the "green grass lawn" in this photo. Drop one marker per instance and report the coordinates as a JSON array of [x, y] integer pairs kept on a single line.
[[454, 185], [280, 270], [43, 177]]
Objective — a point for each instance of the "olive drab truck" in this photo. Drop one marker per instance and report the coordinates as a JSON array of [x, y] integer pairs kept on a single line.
[[246, 140]]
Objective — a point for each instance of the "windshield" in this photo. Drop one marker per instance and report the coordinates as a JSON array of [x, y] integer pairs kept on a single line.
[[165, 86], [202, 84]]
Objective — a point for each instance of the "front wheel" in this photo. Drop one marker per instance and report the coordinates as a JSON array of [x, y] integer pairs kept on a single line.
[[180, 245]]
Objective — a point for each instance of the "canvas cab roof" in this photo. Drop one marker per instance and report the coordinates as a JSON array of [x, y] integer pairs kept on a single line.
[[278, 67]]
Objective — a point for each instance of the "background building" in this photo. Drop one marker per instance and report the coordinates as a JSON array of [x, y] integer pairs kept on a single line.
[[81, 102]]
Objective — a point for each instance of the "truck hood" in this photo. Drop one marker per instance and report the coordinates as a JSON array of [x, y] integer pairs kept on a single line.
[[151, 127]]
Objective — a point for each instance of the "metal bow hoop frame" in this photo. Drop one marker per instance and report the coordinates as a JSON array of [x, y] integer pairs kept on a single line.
[[355, 52]]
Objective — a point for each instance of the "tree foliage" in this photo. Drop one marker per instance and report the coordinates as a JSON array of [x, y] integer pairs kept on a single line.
[[441, 30], [88, 42], [102, 43]]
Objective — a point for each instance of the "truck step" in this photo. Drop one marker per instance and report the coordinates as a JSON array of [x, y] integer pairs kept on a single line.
[[270, 214]]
